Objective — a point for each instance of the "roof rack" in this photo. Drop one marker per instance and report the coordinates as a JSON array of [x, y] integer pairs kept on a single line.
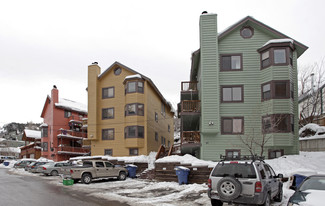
[[242, 157]]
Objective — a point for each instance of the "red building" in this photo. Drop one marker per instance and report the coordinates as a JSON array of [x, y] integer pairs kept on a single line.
[[64, 129], [32, 148]]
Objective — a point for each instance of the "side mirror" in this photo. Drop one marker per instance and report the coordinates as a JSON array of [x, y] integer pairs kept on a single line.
[[280, 175]]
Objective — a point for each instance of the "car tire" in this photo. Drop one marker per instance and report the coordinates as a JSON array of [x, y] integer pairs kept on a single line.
[[229, 188], [86, 178], [278, 197], [215, 202], [54, 173], [267, 201], [122, 176]]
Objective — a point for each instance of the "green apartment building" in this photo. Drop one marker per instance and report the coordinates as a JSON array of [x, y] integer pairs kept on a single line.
[[241, 98]]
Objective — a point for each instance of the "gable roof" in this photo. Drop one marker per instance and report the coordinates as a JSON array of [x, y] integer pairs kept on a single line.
[[31, 135], [301, 48], [47, 102], [142, 76]]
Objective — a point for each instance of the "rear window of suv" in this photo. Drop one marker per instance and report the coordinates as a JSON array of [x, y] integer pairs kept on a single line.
[[235, 170]]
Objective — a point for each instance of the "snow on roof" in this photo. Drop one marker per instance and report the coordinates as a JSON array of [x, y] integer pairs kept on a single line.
[[313, 127], [44, 125], [133, 76], [72, 105], [272, 41], [33, 134], [187, 159], [10, 149]]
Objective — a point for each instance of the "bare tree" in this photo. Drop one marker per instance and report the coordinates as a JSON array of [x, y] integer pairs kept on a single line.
[[311, 91], [255, 142]]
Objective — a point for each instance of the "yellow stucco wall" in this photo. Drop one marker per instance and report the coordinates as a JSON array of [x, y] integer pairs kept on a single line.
[[152, 104]]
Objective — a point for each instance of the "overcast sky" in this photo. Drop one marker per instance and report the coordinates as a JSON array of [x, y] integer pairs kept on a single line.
[[46, 43]]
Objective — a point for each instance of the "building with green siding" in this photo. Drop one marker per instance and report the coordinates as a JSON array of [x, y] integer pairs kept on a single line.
[[241, 98]]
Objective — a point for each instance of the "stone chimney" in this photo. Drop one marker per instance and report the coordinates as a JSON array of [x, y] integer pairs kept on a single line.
[[55, 95]]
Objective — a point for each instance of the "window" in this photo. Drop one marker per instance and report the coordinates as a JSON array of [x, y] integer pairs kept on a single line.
[[134, 132], [231, 62], [280, 56], [277, 55], [133, 151], [277, 89], [108, 92], [156, 136], [232, 93], [266, 59], [45, 146], [108, 113], [117, 71], [275, 153], [134, 109], [232, 154], [67, 114], [163, 109], [277, 123], [247, 32], [134, 86], [156, 116], [44, 131], [232, 125], [99, 164], [108, 152], [108, 164], [108, 134]]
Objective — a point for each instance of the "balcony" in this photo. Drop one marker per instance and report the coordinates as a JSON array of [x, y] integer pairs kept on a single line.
[[190, 137], [189, 91], [63, 149], [71, 134], [192, 106], [189, 86]]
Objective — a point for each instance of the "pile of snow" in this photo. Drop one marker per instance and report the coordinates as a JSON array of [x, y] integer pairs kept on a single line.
[[187, 159], [11, 164], [312, 131]]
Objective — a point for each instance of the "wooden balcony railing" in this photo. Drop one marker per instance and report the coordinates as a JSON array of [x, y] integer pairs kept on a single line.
[[189, 86], [72, 149], [190, 137], [191, 106], [72, 133], [76, 118]]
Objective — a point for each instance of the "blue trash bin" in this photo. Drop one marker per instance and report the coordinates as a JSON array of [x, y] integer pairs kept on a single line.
[[6, 163], [132, 170], [299, 179], [182, 174]]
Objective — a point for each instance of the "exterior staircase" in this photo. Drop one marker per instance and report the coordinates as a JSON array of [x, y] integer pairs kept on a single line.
[[164, 151]]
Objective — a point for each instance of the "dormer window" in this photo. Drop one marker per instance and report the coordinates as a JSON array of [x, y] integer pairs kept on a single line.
[[277, 52], [134, 86]]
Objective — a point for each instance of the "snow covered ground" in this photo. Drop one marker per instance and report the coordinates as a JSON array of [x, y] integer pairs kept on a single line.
[[143, 192]]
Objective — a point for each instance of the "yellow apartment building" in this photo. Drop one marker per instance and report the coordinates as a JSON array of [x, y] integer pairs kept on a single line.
[[127, 115]]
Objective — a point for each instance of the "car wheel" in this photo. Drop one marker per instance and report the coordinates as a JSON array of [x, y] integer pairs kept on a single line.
[[86, 178], [267, 200], [229, 188], [122, 176], [215, 202], [278, 197], [54, 173]]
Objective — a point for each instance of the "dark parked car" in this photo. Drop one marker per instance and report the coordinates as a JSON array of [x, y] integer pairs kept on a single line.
[[311, 190]]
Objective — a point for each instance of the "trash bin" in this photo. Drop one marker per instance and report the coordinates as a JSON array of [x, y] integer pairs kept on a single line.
[[68, 182], [6, 163], [298, 179], [182, 174], [132, 170]]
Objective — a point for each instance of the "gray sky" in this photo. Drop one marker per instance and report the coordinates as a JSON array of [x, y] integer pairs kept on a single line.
[[43, 43]]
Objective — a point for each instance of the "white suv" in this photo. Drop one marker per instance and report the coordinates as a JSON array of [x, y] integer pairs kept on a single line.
[[244, 182]]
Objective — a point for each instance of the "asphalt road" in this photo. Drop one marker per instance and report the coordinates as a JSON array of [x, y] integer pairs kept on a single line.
[[18, 190]]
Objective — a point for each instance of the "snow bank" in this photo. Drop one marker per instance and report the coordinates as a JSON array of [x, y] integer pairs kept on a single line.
[[187, 159], [312, 131]]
